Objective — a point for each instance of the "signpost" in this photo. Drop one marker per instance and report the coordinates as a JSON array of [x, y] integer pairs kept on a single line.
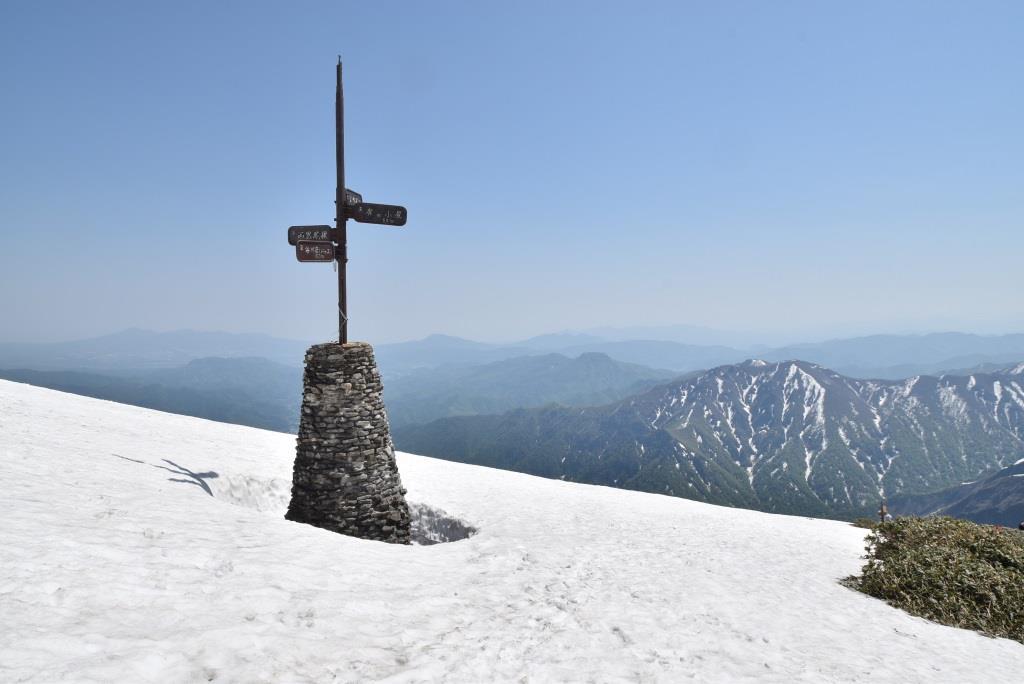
[[326, 244]]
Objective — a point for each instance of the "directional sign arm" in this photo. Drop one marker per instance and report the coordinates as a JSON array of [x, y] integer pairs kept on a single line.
[[318, 233], [380, 214], [314, 250]]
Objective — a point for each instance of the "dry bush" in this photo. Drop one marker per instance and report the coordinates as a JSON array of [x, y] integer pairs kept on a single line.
[[950, 571]]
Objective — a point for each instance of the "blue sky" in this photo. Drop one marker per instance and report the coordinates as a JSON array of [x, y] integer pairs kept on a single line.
[[804, 168]]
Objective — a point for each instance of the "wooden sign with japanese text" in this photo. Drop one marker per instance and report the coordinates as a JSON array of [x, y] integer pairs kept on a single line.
[[316, 233], [381, 214], [314, 250]]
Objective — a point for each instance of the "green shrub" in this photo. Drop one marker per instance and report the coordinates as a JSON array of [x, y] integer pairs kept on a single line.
[[950, 571]]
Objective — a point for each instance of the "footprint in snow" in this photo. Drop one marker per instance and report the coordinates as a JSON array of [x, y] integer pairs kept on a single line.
[[617, 631]]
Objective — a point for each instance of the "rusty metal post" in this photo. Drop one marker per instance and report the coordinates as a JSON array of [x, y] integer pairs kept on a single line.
[[339, 203]]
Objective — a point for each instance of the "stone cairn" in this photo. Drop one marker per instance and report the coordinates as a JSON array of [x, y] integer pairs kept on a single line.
[[346, 478]]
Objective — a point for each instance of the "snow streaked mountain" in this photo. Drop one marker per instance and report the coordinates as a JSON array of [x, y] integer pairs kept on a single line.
[[117, 564], [788, 437]]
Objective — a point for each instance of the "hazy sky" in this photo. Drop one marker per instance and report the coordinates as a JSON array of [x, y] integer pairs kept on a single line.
[[820, 167]]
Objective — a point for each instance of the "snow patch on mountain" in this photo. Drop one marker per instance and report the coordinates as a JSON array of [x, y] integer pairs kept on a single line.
[[952, 403]]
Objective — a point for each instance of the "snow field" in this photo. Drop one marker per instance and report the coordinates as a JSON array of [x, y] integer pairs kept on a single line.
[[117, 565]]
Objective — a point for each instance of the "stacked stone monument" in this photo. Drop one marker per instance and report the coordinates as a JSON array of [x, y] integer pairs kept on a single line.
[[345, 477]]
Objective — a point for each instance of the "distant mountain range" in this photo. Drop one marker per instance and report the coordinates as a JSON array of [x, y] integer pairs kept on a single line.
[[399, 358], [889, 357], [902, 356], [135, 349], [787, 437], [254, 392], [588, 380], [878, 356]]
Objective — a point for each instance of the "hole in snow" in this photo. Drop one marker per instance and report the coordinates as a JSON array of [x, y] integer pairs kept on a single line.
[[433, 526], [428, 525]]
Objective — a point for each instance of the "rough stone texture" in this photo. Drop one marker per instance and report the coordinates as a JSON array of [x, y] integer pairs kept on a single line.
[[345, 478]]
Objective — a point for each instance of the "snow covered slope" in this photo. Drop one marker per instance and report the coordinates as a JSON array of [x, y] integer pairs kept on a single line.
[[117, 565]]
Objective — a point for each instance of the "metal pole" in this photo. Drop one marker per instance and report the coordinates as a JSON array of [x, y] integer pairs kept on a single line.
[[339, 201]]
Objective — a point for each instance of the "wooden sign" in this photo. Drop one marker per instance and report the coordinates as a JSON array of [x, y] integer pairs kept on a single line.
[[381, 214], [316, 233], [314, 251], [352, 198]]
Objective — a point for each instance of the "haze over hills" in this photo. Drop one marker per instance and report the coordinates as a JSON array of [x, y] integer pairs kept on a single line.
[[901, 356], [135, 349], [878, 356], [254, 392], [562, 340], [587, 380], [690, 334], [436, 350], [788, 437], [889, 357]]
